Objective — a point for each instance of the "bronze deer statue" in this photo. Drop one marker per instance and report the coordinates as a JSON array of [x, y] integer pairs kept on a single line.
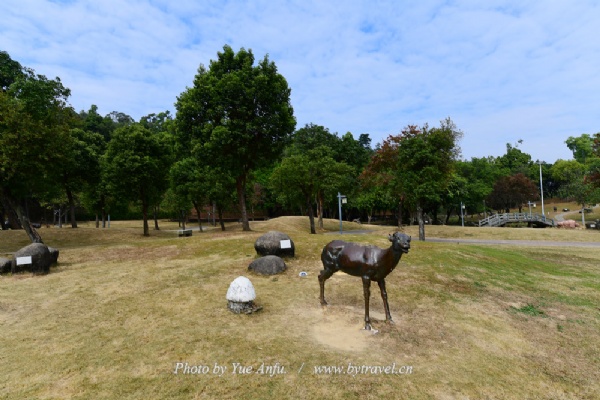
[[368, 262]]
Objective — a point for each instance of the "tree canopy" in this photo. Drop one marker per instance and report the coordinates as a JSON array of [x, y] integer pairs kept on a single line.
[[233, 133], [34, 125], [426, 159], [136, 166], [237, 116]]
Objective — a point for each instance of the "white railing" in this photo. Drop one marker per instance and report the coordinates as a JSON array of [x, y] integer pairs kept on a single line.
[[502, 219]]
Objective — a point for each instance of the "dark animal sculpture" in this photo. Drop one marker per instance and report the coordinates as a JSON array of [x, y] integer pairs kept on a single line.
[[368, 262]]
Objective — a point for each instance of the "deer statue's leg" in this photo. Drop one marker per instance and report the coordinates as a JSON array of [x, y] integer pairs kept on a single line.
[[367, 289], [323, 276], [386, 306]]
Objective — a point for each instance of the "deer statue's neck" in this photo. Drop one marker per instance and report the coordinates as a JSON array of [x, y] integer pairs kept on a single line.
[[392, 257]]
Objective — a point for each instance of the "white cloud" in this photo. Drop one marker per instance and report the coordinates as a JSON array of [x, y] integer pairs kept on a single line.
[[503, 71]]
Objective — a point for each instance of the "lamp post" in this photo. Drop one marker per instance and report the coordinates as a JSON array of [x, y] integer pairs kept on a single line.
[[341, 199], [542, 190], [462, 216]]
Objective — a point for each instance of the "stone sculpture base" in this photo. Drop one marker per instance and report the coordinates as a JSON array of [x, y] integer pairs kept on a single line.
[[242, 307]]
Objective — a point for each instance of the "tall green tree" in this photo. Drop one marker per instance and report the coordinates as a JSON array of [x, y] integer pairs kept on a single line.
[[472, 183], [81, 169], [343, 154], [237, 116], [92, 121], [379, 176], [578, 182], [426, 158], [188, 182], [306, 175], [200, 185], [160, 122], [35, 120], [515, 161], [136, 166], [581, 146]]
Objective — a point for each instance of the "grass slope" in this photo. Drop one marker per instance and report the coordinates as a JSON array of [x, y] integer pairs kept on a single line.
[[472, 321]]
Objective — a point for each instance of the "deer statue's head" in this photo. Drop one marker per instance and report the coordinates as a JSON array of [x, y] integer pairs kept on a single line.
[[400, 241]]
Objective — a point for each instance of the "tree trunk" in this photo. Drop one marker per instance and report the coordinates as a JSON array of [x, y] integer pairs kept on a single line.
[[421, 222], [214, 213], [241, 191], [320, 202], [182, 219], [13, 218], [145, 216], [400, 214], [156, 228], [3, 226], [448, 215], [97, 221], [34, 236], [72, 208], [220, 211], [311, 216], [197, 207]]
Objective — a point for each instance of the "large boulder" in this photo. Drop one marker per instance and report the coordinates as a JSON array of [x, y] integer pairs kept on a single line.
[[5, 265], [274, 243], [41, 259], [267, 265]]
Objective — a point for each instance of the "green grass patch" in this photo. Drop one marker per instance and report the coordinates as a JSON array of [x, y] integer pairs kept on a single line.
[[529, 309]]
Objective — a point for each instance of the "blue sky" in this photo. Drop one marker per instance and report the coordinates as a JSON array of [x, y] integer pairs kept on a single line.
[[504, 71]]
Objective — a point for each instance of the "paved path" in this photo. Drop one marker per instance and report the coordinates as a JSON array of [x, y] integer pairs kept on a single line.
[[536, 243], [531, 243]]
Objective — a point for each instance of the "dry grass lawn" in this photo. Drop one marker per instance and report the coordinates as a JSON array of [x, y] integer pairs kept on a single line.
[[121, 313]]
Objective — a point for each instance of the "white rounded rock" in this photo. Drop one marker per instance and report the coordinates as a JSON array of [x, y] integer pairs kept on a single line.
[[241, 290]]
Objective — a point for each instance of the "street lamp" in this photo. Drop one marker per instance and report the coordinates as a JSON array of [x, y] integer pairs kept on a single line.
[[462, 217], [542, 190], [341, 199]]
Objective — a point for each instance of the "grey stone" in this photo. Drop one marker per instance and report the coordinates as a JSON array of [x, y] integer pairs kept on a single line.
[[41, 259], [270, 244], [268, 265], [5, 265]]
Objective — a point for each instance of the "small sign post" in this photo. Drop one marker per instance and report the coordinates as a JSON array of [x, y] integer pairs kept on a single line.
[[341, 199]]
